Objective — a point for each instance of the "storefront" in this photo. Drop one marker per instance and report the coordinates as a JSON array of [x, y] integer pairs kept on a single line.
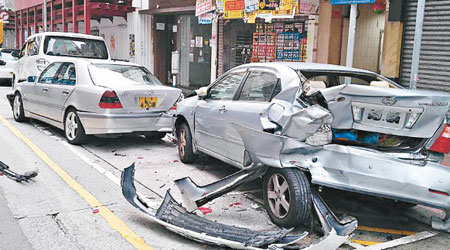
[[181, 50], [266, 31]]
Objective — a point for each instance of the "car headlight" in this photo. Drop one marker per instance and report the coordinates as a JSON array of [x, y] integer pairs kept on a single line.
[[412, 119]]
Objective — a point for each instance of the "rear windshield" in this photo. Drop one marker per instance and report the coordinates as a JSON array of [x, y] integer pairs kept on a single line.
[[75, 47], [121, 75]]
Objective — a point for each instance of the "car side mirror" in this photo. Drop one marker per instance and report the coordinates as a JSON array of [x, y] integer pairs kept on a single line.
[[202, 92], [2, 63], [31, 79], [15, 54]]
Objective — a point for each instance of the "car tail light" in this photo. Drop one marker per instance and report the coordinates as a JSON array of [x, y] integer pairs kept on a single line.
[[174, 107], [110, 100], [412, 119], [442, 144]]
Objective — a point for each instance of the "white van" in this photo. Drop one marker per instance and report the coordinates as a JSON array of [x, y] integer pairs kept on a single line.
[[42, 49]]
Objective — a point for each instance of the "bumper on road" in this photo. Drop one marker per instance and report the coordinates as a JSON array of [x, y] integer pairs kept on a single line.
[[125, 123]]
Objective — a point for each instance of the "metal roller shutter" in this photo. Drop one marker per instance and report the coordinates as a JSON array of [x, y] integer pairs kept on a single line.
[[434, 66]]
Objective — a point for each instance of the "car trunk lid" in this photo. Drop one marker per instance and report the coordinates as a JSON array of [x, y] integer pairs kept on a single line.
[[400, 112], [141, 99]]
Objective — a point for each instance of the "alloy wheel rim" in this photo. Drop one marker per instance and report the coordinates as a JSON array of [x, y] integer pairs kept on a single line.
[[17, 106], [71, 126], [278, 196], [182, 142]]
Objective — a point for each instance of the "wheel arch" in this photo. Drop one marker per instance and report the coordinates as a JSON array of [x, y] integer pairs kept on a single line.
[[66, 110]]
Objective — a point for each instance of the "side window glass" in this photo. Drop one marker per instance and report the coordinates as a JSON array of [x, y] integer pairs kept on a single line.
[[35, 48], [259, 86], [226, 87], [22, 51], [49, 74], [66, 74], [30, 46]]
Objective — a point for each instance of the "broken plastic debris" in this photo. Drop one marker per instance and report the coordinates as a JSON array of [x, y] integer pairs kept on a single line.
[[237, 203], [95, 210], [205, 210], [140, 157], [176, 161]]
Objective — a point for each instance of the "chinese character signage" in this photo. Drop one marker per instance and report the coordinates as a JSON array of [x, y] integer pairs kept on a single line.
[[251, 5], [269, 4], [234, 9], [308, 6], [203, 6], [205, 18], [335, 2]]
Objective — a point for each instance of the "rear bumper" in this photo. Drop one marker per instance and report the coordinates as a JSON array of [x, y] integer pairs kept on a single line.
[[125, 123], [354, 169]]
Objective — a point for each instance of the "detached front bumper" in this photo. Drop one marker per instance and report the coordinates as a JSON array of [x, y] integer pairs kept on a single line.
[[125, 123]]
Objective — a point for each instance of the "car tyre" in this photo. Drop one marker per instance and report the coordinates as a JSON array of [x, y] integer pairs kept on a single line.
[[287, 196], [18, 113], [73, 129], [185, 145]]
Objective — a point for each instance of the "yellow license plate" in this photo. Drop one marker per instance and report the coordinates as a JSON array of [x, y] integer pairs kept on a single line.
[[148, 102]]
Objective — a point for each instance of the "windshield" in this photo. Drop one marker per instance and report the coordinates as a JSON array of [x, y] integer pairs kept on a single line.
[[75, 47], [107, 74]]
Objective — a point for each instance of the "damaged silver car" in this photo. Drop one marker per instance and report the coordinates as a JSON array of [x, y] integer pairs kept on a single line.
[[326, 125]]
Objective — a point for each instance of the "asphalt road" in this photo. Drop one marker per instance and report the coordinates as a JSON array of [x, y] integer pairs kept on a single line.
[[58, 209]]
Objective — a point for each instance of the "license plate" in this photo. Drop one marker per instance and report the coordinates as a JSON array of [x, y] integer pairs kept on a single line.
[[148, 102]]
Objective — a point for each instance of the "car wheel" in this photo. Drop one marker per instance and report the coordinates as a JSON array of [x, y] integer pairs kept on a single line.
[[185, 147], [73, 129], [155, 136], [287, 196], [18, 113]]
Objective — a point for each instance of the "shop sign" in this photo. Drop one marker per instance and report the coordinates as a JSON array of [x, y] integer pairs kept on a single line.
[[160, 26], [335, 2], [203, 6], [251, 5], [234, 9], [265, 5], [220, 6], [205, 18], [308, 6]]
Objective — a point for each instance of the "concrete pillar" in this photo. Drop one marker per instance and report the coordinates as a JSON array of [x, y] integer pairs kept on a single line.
[[330, 33]]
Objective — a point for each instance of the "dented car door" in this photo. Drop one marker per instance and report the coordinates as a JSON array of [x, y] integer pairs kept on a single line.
[[210, 113], [254, 97]]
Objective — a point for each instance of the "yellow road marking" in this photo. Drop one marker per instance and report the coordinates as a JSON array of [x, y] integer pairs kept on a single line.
[[116, 223], [384, 230], [365, 243]]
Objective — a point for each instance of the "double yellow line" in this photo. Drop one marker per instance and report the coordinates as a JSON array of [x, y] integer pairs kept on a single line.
[[115, 223]]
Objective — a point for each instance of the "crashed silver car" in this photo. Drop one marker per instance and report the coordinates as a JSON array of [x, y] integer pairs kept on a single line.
[[326, 125]]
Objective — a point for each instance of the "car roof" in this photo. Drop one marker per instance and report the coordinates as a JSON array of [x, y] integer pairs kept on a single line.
[[67, 34], [87, 61], [309, 66]]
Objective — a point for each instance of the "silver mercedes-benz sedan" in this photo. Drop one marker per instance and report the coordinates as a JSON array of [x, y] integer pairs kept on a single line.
[[326, 125], [93, 97]]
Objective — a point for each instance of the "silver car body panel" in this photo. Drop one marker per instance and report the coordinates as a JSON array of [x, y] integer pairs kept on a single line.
[[431, 105], [354, 169], [85, 96]]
